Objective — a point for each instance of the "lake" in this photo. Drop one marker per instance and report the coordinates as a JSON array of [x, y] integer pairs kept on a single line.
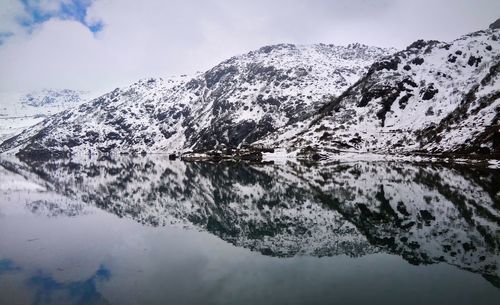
[[152, 231]]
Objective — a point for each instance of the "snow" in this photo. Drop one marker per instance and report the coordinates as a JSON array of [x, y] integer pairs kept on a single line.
[[17, 113], [279, 156], [13, 182]]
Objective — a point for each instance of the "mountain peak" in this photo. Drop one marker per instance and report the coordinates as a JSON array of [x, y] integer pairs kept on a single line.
[[432, 97]]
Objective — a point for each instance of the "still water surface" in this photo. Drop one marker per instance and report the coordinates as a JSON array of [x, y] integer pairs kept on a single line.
[[153, 231]]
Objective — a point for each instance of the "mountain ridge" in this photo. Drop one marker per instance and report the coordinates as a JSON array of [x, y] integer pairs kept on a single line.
[[459, 71], [236, 102], [432, 98]]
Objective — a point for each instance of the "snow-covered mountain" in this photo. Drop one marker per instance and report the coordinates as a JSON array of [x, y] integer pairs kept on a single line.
[[19, 111], [425, 213], [239, 101], [432, 97], [50, 97]]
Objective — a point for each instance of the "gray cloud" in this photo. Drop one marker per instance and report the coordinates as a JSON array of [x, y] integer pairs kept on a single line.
[[160, 38]]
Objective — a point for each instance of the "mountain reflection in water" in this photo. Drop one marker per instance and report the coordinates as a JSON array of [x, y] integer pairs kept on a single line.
[[424, 213]]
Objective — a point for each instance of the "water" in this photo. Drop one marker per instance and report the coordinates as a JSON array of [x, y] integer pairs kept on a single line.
[[152, 231]]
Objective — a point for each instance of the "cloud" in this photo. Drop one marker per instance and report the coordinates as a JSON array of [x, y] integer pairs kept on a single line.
[[10, 12], [101, 44], [40, 11], [57, 54]]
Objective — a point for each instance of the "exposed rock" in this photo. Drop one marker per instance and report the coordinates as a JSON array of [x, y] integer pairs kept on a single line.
[[429, 92], [495, 25]]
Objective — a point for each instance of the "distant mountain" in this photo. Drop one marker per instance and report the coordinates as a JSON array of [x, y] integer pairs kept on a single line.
[[432, 97], [19, 111], [237, 102], [50, 97]]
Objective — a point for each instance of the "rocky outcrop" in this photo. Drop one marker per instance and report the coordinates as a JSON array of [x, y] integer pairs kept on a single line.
[[495, 25]]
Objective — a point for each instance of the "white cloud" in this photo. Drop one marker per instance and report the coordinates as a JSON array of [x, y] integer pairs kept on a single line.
[[156, 38], [10, 12], [57, 54]]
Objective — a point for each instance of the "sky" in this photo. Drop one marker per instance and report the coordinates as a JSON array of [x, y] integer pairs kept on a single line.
[[99, 45]]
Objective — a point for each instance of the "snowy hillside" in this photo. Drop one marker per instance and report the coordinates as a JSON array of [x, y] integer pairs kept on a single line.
[[19, 111], [432, 97], [239, 101]]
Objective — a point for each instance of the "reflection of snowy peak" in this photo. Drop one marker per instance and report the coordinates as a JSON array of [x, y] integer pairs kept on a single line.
[[431, 97], [240, 204], [38, 200], [238, 101], [426, 214]]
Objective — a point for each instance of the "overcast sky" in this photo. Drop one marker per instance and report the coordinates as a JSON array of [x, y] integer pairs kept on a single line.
[[103, 44]]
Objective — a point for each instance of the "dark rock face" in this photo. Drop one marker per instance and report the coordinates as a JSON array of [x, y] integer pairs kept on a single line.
[[404, 101], [389, 64], [417, 61], [419, 44], [495, 25], [429, 92], [474, 61], [219, 74]]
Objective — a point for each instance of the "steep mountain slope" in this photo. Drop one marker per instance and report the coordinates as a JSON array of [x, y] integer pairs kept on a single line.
[[22, 110], [239, 101], [432, 97]]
